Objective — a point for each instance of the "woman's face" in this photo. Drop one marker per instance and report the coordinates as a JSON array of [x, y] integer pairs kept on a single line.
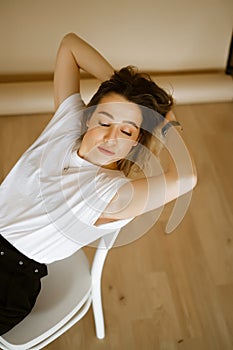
[[113, 130]]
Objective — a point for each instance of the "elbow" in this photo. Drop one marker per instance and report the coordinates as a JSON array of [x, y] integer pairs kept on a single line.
[[186, 184], [194, 181], [194, 177], [68, 35], [67, 38], [191, 179]]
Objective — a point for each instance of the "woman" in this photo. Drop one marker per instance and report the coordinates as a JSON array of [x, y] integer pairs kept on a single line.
[[71, 186]]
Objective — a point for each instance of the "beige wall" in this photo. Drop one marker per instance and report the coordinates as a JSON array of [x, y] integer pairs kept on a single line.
[[155, 35]]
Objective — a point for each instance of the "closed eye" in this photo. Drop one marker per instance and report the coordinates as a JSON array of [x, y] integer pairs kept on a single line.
[[126, 133], [104, 124], [107, 125]]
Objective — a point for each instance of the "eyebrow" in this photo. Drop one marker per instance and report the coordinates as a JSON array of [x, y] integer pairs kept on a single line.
[[124, 121]]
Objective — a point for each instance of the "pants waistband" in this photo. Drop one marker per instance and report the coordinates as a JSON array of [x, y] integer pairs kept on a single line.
[[7, 250]]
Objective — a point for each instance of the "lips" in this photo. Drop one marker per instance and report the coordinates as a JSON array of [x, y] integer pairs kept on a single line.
[[106, 151]]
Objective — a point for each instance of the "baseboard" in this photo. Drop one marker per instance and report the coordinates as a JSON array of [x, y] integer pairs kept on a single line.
[[37, 97]]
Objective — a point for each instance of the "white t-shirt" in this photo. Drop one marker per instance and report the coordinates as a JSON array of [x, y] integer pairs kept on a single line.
[[51, 199]]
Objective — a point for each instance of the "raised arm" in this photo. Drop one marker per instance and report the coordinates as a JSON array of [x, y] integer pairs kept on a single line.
[[143, 195], [75, 54]]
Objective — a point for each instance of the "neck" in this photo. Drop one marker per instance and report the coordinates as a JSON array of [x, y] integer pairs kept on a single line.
[[112, 166]]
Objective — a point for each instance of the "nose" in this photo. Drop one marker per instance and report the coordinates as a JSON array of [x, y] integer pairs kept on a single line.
[[111, 134]]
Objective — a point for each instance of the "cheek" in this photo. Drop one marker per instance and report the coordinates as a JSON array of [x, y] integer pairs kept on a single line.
[[92, 135], [126, 146], [87, 141]]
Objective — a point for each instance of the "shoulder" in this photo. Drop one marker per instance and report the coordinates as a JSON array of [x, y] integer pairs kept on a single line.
[[72, 101]]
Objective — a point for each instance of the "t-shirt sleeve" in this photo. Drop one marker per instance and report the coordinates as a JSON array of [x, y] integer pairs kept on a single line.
[[66, 120], [96, 194], [82, 212]]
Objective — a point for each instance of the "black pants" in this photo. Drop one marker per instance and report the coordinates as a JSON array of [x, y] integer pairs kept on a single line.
[[19, 285]]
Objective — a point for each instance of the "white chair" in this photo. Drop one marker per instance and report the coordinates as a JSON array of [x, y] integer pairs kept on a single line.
[[66, 295]]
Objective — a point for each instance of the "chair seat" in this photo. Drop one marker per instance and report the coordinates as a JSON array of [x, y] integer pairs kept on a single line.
[[63, 293]]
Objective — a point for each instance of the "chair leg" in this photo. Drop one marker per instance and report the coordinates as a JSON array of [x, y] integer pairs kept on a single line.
[[96, 272], [98, 310]]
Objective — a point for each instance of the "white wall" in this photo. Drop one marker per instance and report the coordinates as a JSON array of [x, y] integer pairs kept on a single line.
[[155, 35]]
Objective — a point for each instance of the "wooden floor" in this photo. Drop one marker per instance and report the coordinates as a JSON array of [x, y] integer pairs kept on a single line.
[[164, 292]]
